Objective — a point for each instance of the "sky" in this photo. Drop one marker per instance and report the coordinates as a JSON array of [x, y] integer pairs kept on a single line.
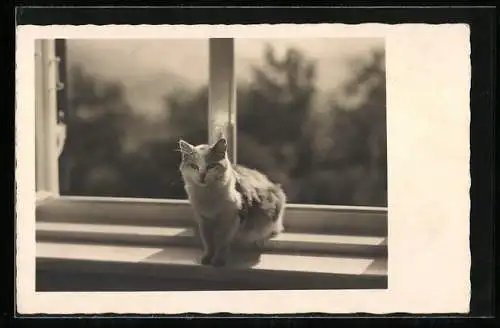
[[138, 64]]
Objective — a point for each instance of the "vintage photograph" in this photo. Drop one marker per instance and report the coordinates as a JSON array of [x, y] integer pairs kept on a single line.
[[211, 164]]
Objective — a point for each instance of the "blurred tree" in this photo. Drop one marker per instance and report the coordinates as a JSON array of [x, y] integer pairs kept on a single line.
[[97, 119], [188, 114], [272, 113], [358, 152], [154, 167]]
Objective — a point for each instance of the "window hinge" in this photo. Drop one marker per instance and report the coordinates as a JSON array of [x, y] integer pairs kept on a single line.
[[61, 126], [56, 61], [60, 133]]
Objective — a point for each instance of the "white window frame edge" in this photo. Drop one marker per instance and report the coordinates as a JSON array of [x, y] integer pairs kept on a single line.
[[222, 118], [49, 135], [222, 93]]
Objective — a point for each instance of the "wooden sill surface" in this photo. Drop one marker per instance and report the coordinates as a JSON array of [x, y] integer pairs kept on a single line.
[[87, 243], [300, 219], [189, 256], [164, 236], [85, 266]]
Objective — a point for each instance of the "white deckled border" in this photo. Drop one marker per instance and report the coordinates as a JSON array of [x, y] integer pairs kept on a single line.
[[428, 84]]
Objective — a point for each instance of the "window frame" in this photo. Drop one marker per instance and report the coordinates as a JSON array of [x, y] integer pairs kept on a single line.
[[222, 93], [50, 134]]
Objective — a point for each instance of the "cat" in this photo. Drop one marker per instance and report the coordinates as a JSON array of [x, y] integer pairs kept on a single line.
[[233, 204]]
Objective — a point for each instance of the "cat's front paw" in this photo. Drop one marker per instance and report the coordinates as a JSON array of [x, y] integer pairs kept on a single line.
[[218, 261], [274, 234], [206, 259]]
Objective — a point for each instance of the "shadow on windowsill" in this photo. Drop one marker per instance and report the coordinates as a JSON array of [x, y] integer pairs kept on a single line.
[[238, 258], [243, 259]]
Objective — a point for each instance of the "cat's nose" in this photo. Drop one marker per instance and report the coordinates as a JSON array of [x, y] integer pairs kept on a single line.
[[203, 176]]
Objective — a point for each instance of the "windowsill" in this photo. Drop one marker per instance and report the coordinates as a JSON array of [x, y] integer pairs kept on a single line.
[[330, 219], [273, 270], [324, 247]]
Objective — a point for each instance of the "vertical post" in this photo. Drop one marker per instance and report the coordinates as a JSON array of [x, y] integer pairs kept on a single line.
[[46, 117], [222, 93]]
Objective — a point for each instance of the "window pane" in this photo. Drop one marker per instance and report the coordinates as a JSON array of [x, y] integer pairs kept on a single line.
[[312, 115], [129, 102]]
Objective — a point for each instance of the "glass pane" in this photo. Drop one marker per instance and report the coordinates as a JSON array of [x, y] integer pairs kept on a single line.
[[312, 116], [128, 103]]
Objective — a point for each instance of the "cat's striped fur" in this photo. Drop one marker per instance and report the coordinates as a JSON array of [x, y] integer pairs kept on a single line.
[[232, 203]]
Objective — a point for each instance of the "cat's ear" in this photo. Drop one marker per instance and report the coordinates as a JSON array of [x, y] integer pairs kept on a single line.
[[220, 146], [185, 147]]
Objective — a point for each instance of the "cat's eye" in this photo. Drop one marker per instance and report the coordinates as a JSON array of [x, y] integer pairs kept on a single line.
[[212, 166], [193, 166]]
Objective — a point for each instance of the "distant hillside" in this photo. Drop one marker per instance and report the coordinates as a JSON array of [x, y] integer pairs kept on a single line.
[[146, 94], [148, 80]]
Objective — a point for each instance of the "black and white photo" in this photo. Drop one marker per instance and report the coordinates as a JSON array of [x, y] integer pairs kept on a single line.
[[242, 169], [298, 124]]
